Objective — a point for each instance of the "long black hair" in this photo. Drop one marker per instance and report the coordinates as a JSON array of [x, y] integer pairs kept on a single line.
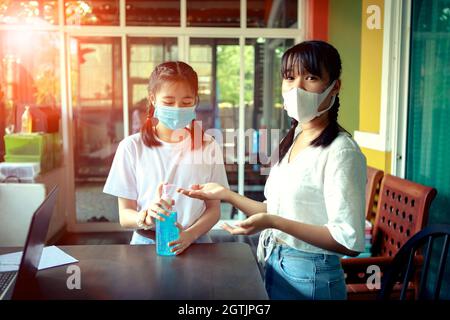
[[170, 71], [314, 57]]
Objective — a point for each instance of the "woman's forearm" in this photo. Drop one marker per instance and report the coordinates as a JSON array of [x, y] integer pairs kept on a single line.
[[127, 218], [207, 220], [127, 213], [318, 236], [246, 205]]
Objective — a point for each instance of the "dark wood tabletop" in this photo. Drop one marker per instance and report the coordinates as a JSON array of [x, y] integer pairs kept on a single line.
[[204, 271]]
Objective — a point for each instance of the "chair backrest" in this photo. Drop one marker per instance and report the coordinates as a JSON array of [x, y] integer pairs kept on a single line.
[[402, 211], [374, 177], [405, 263]]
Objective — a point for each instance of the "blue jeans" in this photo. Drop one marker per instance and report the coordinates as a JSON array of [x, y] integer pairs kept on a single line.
[[139, 239], [293, 274]]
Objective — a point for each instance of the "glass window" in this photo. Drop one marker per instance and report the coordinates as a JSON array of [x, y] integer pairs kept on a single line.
[[428, 140], [144, 55], [266, 122], [29, 75], [153, 13], [96, 77], [98, 12], [220, 13], [272, 14], [217, 63], [201, 59], [29, 12]]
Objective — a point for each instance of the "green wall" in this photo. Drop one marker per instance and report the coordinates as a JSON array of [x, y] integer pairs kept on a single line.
[[344, 32]]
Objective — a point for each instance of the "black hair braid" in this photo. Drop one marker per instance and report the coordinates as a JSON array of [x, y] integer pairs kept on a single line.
[[334, 111], [287, 140], [333, 128]]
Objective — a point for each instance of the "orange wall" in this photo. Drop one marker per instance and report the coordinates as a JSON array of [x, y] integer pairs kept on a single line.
[[317, 20]]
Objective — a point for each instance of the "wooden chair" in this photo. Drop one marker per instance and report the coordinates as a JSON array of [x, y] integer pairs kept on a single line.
[[402, 211], [374, 177]]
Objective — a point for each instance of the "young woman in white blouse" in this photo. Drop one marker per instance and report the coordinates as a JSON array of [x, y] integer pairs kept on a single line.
[[171, 147], [314, 213]]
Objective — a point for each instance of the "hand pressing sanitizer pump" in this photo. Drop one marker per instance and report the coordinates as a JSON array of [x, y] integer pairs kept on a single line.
[[167, 231]]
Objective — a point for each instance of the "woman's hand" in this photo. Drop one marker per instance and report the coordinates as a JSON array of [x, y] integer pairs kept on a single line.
[[184, 241], [207, 191], [251, 225], [159, 208]]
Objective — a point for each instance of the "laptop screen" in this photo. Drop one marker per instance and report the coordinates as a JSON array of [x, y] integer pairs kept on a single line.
[[26, 285]]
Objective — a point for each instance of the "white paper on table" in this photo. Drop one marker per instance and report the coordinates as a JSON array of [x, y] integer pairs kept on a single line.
[[10, 261], [51, 257]]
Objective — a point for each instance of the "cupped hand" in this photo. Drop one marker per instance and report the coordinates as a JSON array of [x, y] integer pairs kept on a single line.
[[207, 191], [254, 224]]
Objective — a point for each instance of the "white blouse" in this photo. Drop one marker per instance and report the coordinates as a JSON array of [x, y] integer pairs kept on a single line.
[[137, 170], [323, 187]]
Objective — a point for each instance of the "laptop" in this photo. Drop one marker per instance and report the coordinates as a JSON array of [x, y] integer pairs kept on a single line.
[[22, 284]]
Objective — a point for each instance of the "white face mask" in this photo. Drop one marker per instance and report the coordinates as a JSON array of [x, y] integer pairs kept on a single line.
[[303, 105]]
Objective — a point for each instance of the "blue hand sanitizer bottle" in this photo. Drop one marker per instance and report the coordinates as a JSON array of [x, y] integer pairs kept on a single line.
[[167, 231]]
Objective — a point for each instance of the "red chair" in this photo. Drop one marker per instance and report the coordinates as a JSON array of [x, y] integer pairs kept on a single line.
[[374, 177], [402, 212]]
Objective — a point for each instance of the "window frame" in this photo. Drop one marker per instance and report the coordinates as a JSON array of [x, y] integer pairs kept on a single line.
[[183, 35]]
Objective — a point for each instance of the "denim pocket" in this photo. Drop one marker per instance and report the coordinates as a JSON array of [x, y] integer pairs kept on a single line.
[[297, 269], [337, 290], [296, 279]]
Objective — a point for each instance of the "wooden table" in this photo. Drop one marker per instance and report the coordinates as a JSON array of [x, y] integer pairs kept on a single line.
[[204, 271]]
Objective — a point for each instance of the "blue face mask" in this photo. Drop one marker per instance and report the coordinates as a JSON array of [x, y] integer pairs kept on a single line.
[[173, 117]]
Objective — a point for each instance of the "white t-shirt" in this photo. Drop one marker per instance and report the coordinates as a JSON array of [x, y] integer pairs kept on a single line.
[[324, 187], [137, 170]]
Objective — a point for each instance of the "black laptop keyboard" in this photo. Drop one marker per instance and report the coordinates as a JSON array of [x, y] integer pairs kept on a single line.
[[5, 279]]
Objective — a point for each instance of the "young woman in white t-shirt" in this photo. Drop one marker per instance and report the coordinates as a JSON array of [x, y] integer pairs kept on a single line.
[[170, 148], [314, 212]]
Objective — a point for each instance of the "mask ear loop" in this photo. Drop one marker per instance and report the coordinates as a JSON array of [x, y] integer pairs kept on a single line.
[[319, 113], [329, 89], [191, 125], [151, 115], [197, 102]]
